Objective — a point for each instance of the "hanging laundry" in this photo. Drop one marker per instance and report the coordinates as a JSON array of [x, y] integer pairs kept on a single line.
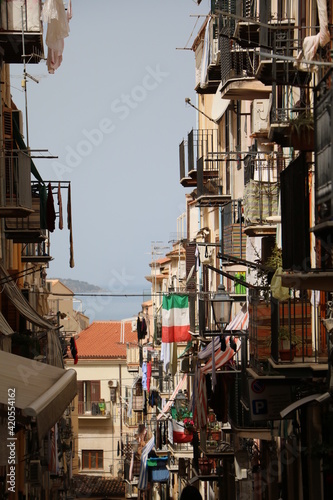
[[54, 14], [197, 258], [148, 375], [50, 213], [138, 328], [144, 376], [61, 222], [141, 328], [43, 205], [74, 350]]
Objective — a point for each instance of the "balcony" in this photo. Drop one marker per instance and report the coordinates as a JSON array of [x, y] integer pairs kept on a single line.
[[207, 56], [291, 125], [16, 198], [181, 450], [201, 166], [285, 42], [247, 28], [238, 70], [234, 238], [92, 410], [166, 386], [18, 28], [36, 252], [261, 191], [285, 335], [26, 229]]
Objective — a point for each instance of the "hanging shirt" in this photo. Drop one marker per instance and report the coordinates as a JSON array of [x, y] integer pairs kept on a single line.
[[144, 376]]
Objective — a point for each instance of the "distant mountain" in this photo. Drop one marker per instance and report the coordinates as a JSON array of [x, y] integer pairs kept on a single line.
[[78, 286]]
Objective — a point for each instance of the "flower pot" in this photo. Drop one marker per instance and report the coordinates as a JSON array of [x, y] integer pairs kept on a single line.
[[204, 466], [216, 435], [287, 354]]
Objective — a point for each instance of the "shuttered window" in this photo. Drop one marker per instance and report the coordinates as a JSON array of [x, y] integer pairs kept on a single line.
[[92, 459]]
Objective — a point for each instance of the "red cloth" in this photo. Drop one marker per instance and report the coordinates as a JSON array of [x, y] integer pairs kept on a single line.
[[148, 375]]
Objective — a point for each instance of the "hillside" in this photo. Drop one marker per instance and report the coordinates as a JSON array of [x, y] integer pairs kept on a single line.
[[78, 286]]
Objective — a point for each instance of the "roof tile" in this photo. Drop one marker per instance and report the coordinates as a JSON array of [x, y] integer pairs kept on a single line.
[[102, 340]]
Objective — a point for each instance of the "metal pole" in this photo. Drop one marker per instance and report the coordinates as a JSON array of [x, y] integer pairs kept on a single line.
[[24, 83]]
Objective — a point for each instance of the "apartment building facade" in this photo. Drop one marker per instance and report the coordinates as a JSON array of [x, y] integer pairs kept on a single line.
[[256, 171], [36, 391]]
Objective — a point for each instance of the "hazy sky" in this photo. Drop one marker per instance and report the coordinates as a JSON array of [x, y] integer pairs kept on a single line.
[[114, 113]]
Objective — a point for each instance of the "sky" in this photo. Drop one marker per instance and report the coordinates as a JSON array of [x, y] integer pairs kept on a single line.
[[114, 114]]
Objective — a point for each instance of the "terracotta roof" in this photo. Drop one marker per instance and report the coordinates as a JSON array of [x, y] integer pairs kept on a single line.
[[98, 487], [163, 260], [152, 277], [102, 340]]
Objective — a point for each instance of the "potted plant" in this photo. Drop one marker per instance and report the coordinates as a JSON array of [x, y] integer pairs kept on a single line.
[[288, 343], [302, 132], [189, 425]]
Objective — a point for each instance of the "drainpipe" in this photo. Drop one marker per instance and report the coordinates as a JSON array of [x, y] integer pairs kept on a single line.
[[121, 413], [2, 160]]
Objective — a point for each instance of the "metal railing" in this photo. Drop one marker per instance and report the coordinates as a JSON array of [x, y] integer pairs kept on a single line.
[[292, 325], [94, 408], [16, 186]]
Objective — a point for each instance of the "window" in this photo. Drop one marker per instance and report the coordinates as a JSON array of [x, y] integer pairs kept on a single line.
[[88, 394], [92, 459]]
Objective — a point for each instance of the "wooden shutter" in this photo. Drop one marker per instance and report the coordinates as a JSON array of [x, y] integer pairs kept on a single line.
[[95, 390], [80, 396]]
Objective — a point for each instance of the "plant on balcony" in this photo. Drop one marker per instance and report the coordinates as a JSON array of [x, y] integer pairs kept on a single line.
[[288, 342], [302, 132], [189, 424]]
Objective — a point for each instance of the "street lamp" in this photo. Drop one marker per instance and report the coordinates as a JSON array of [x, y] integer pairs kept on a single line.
[[221, 305]]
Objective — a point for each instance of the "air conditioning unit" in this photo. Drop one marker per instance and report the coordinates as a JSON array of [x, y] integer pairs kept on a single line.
[[215, 51], [34, 472], [260, 116], [185, 365], [113, 395], [113, 383]]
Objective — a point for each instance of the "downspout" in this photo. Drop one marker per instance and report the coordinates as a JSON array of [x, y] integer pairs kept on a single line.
[[2, 160], [121, 414]]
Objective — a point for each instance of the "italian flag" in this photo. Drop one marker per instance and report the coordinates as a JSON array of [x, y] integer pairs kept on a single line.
[[179, 435], [175, 319]]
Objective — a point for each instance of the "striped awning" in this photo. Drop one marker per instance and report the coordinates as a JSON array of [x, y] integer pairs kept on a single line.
[[240, 321], [221, 358], [168, 405]]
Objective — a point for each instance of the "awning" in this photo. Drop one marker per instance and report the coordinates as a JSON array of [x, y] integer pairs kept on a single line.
[[22, 305], [220, 105], [240, 321], [168, 405], [5, 329], [41, 391], [221, 358], [318, 398], [208, 350]]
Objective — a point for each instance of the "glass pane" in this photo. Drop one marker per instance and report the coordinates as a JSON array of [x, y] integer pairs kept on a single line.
[[85, 459], [93, 459], [100, 459]]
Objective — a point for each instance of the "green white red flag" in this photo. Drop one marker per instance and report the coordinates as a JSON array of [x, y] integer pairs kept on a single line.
[[175, 319]]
